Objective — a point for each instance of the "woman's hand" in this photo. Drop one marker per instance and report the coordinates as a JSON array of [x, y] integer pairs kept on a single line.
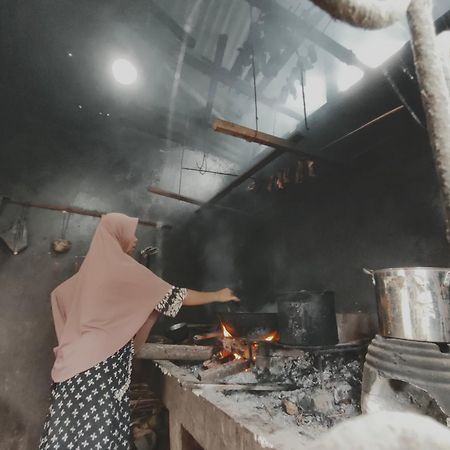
[[226, 295]]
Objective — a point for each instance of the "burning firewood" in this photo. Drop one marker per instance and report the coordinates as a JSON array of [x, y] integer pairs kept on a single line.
[[219, 373]]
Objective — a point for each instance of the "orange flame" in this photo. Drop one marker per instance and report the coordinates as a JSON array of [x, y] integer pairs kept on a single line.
[[274, 336], [226, 332]]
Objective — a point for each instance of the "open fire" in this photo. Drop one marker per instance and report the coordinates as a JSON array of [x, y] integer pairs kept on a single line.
[[273, 336], [234, 348]]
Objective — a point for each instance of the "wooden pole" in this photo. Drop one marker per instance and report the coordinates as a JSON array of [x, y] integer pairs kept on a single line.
[[76, 210], [175, 196], [434, 93], [175, 352], [183, 198]]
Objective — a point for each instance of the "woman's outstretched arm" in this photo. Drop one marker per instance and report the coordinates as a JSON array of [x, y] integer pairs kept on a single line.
[[194, 298]]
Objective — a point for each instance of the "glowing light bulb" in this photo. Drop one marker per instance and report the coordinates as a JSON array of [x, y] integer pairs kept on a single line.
[[124, 72]]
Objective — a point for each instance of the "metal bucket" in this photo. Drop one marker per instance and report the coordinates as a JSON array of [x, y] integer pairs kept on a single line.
[[307, 318], [413, 302]]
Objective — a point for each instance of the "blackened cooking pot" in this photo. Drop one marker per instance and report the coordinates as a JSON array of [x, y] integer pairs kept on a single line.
[[307, 318]]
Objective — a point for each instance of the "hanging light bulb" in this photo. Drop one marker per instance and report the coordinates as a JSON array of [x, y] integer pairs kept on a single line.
[[124, 72]]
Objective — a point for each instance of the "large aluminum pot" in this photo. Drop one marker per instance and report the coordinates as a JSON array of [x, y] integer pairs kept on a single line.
[[413, 302]]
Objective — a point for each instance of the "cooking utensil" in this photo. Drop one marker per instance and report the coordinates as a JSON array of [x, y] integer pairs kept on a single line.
[[206, 338], [307, 318], [16, 237], [178, 332], [413, 302], [62, 245], [146, 253], [247, 324]]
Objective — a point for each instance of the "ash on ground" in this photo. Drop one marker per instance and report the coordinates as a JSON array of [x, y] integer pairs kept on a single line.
[[326, 389]]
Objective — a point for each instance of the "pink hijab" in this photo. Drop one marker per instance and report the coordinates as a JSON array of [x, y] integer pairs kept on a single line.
[[109, 301]]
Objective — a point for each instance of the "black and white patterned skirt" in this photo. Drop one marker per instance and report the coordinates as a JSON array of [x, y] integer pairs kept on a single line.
[[90, 411]]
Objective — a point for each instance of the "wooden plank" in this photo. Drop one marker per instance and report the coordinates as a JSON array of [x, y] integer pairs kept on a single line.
[[175, 352], [252, 135], [225, 370]]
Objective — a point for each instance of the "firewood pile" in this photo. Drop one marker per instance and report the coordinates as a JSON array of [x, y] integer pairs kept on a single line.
[[148, 419]]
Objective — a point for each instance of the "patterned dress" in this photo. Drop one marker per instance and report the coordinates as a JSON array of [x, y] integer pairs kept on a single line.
[[90, 411]]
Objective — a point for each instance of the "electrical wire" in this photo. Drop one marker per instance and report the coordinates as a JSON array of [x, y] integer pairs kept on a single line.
[[203, 167]]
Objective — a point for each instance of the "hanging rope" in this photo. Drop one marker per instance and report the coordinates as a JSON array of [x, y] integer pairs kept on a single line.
[[253, 67], [302, 81]]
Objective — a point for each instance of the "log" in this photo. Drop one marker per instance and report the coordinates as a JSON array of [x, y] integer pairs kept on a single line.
[[225, 370], [175, 352]]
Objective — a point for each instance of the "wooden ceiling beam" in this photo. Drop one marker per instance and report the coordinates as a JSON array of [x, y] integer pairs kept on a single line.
[[171, 24], [225, 77]]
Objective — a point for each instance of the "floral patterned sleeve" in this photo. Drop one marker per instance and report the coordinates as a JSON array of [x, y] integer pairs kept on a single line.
[[172, 302]]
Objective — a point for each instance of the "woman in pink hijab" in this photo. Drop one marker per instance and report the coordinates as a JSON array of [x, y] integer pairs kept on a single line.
[[102, 314]]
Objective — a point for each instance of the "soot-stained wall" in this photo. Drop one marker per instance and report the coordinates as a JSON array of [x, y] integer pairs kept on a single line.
[[43, 162], [385, 211]]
